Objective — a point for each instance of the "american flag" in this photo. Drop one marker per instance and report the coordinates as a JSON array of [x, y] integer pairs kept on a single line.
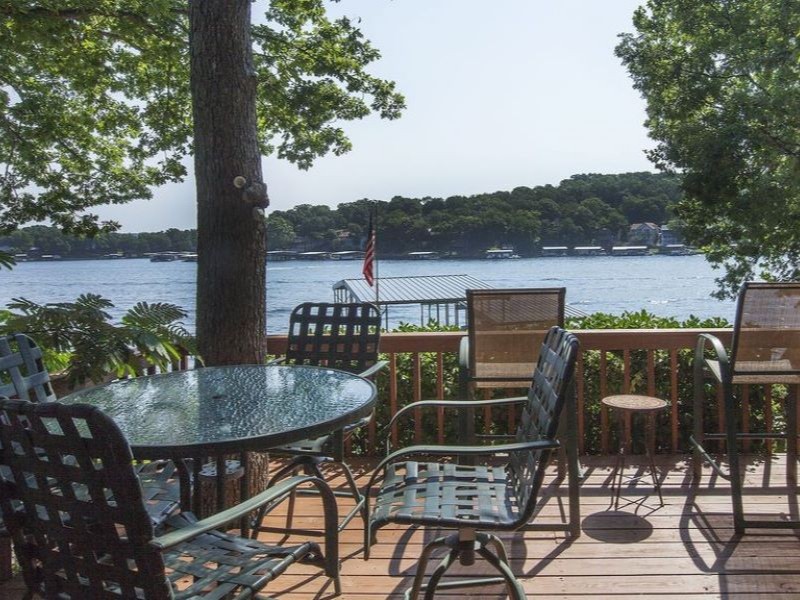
[[369, 255]]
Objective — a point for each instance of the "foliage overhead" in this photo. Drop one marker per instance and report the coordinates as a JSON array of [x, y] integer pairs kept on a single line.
[[80, 338], [95, 105], [722, 85]]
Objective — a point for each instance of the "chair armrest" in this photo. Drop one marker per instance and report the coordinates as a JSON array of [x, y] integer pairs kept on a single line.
[[459, 404], [381, 364], [458, 451], [720, 367], [273, 493]]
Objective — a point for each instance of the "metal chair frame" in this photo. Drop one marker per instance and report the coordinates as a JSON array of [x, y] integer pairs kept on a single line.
[[712, 361], [475, 499], [74, 507], [343, 336]]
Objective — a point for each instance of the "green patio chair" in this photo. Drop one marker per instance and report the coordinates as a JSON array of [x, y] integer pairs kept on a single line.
[[499, 495], [340, 336], [23, 375], [73, 504]]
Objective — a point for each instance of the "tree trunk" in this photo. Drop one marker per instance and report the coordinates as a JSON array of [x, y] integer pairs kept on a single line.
[[231, 196]]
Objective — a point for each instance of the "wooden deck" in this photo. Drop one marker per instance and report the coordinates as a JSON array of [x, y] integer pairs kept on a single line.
[[686, 549]]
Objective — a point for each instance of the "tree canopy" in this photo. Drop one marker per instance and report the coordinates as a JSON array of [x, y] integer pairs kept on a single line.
[[95, 105], [584, 209], [722, 85]]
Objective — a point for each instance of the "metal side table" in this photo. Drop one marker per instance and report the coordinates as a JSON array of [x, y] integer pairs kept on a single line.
[[626, 406]]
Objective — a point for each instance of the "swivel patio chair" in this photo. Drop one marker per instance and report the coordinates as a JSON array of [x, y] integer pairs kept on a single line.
[[74, 507], [765, 350], [339, 336], [506, 328], [477, 499]]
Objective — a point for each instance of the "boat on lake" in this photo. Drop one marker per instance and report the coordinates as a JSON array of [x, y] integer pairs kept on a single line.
[[164, 257], [498, 254]]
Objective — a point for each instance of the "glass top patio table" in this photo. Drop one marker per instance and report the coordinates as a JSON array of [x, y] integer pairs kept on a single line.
[[229, 409]]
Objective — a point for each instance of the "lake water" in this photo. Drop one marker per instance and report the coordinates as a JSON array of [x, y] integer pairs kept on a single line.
[[676, 286]]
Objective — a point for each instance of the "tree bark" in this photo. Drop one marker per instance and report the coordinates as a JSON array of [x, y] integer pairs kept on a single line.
[[231, 195]]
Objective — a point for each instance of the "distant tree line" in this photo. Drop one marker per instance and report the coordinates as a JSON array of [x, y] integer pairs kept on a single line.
[[587, 209], [582, 210], [39, 239]]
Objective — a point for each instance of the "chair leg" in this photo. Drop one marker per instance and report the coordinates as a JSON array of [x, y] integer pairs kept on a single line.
[[310, 466], [442, 542], [515, 590], [480, 543], [357, 496], [439, 571], [497, 544]]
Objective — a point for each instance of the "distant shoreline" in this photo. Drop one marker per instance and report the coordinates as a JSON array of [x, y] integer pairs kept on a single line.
[[398, 257]]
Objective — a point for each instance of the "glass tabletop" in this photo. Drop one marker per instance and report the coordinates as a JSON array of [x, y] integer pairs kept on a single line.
[[237, 408]]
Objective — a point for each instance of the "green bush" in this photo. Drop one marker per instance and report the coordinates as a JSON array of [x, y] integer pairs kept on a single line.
[[80, 339]]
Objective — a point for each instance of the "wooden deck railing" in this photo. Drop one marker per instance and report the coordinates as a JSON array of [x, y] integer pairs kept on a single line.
[[611, 361]]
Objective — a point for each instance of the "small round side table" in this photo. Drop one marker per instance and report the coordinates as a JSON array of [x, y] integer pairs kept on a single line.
[[626, 406]]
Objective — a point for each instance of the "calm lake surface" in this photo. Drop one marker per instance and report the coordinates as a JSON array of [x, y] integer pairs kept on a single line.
[[676, 286]]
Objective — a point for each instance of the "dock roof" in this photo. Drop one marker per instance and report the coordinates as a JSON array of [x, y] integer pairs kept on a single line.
[[423, 289], [413, 290]]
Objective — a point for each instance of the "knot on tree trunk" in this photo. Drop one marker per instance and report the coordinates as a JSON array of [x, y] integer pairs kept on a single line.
[[255, 194]]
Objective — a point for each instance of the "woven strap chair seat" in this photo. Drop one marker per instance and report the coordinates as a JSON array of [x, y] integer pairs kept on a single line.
[[447, 495], [228, 562], [323, 445]]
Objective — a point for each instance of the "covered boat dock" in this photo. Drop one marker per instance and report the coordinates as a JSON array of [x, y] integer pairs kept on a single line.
[[440, 297]]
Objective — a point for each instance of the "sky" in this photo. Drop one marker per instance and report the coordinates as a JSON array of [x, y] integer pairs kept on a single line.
[[500, 94]]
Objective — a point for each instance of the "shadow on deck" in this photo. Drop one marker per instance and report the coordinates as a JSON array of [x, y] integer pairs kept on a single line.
[[686, 548]]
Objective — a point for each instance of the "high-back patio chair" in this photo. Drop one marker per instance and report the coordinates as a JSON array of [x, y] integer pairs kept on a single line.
[[500, 495], [340, 336], [23, 375], [22, 371], [506, 327], [765, 350], [80, 529]]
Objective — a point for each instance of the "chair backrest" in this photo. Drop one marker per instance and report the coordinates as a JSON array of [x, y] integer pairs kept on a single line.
[[73, 505], [766, 335], [552, 379], [506, 327], [340, 336], [22, 371]]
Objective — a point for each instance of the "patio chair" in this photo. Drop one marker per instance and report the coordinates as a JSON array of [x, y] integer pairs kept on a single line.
[[22, 371], [339, 336], [74, 507], [23, 375], [765, 350], [476, 499], [506, 327]]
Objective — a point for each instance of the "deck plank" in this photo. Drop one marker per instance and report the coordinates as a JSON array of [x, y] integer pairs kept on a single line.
[[686, 549]]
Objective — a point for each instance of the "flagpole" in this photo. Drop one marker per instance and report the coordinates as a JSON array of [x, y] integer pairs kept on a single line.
[[375, 246]]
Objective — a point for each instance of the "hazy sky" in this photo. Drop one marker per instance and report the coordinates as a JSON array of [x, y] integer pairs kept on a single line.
[[500, 94]]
